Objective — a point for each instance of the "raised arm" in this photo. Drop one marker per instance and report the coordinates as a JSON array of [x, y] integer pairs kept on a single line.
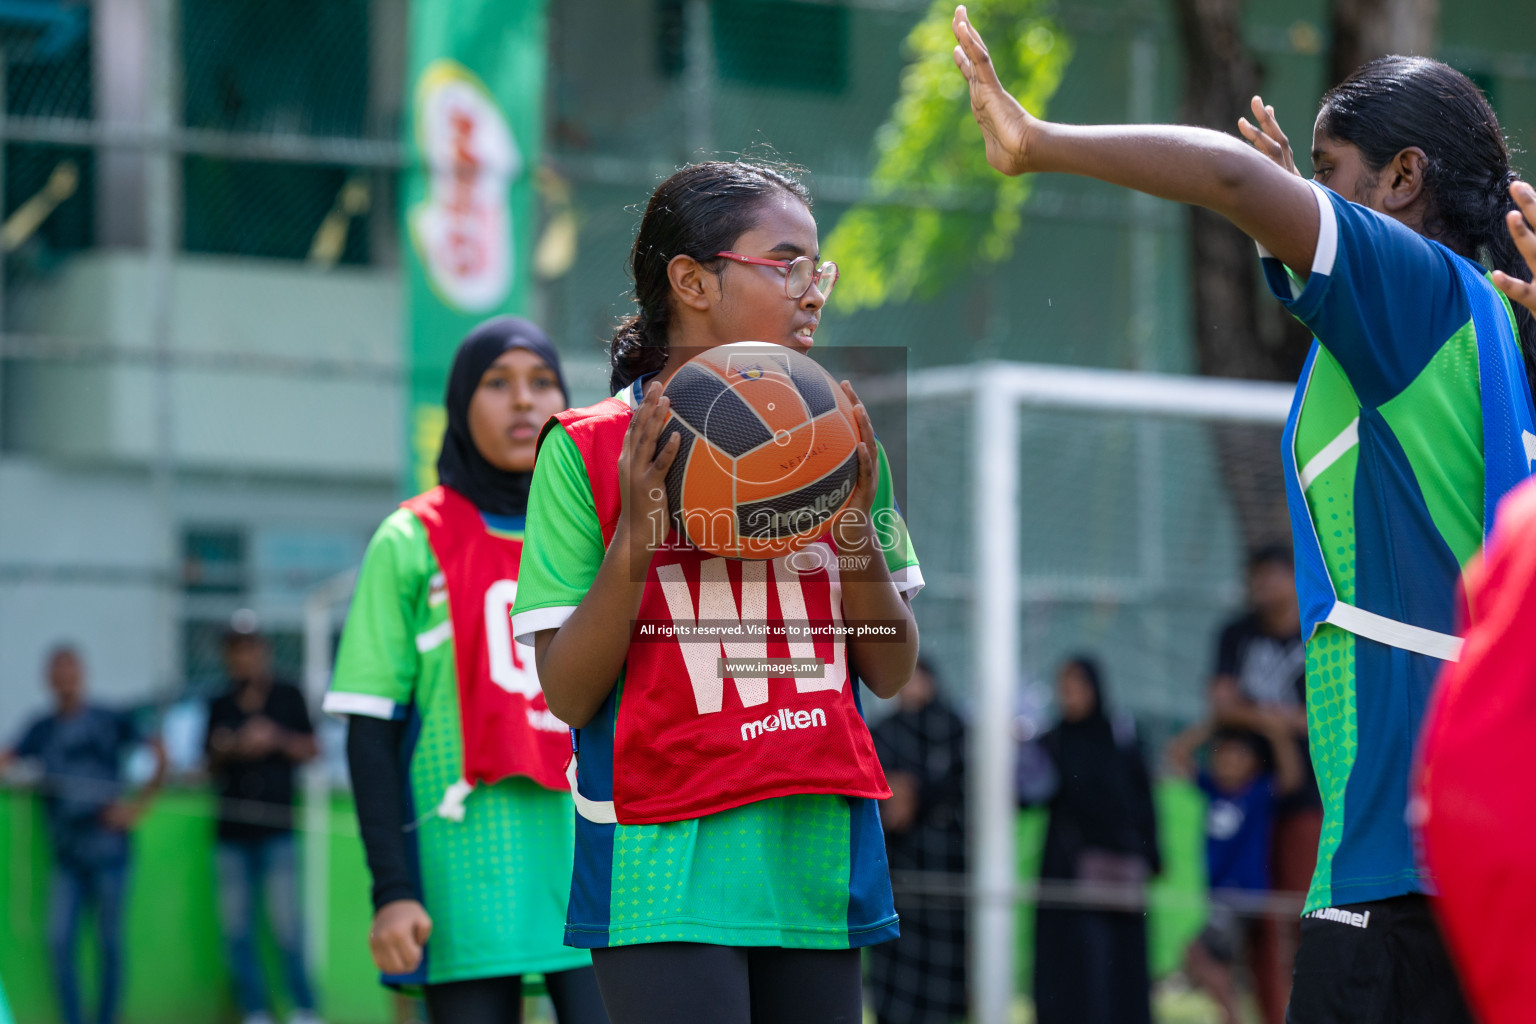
[[1179, 755], [1197, 166], [1288, 772]]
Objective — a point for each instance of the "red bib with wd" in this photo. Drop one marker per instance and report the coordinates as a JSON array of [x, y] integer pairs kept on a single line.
[[506, 725], [690, 739]]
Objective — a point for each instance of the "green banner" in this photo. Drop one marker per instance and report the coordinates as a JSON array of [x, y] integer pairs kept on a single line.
[[475, 120]]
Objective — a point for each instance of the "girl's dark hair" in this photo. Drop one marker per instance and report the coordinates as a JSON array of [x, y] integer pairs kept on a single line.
[[1393, 103], [699, 211]]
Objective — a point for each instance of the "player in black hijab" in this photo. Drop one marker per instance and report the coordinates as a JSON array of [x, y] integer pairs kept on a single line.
[[462, 465]]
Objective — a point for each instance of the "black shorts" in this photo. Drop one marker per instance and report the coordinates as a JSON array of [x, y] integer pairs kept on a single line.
[[1381, 962], [692, 983]]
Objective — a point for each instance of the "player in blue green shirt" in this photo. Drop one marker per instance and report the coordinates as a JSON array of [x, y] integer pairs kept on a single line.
[[1412, 419]]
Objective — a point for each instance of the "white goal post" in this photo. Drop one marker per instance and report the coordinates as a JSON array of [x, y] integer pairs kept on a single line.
[[322, 619], [998, 394]]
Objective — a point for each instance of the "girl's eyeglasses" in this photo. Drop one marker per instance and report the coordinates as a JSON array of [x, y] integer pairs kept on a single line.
[[799, 273]]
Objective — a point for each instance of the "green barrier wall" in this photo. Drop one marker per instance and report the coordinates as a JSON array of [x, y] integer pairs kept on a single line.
[[175, 965], [176, 972]]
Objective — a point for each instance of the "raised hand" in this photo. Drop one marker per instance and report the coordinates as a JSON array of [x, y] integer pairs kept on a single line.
[[1520, 291], [1005, 124], [1267, 137]]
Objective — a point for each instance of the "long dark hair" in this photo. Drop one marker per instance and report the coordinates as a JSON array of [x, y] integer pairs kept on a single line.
[[699, 211], [1393, 103]]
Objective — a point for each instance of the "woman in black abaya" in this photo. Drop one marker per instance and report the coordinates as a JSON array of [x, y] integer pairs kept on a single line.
[[1090, 963]]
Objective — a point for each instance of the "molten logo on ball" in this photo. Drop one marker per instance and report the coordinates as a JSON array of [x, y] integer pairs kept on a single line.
[[769, 450]]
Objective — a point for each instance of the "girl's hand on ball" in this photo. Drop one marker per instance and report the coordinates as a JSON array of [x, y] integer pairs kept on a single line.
[[643, 469], [851, 531]]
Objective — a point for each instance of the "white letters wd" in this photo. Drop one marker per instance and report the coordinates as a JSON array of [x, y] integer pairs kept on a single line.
[[717, 602], [792, 606]]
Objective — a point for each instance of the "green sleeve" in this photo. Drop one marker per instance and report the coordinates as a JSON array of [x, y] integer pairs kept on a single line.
[[891, 530], [562, 542], [377, 665]]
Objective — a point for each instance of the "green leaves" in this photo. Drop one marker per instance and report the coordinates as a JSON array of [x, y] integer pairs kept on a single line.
[[936, 210]]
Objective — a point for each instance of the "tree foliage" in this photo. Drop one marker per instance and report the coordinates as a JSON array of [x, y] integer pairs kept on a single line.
[[936, 208]]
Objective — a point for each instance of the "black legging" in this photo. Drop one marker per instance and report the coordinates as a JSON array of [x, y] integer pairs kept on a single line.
[[690, 983], [500, 1000]]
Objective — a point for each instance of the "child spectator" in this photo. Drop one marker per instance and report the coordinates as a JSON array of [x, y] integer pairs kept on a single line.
[[1242, 792]]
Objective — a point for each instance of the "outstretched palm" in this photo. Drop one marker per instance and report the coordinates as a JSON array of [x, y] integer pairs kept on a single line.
[[1005, 124]]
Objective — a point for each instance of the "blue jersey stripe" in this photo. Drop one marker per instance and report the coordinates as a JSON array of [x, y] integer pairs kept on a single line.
[[589, 914], [871, 911]]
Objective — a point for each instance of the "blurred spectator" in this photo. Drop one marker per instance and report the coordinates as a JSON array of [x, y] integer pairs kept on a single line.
[[1242, 795], [258, 733], [1091, 964], [1261, 669], [919, 978], [81, 749]]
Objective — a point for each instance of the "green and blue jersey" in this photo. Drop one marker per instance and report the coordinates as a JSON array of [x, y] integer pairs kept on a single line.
[[1410, 421]]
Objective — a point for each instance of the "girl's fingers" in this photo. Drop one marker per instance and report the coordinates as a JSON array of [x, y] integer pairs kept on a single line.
[[860, 414], [1519, 291], [650, 430], [667, 455], [1264, 116], [1525, 198], [1520, 231], [977, 61], [1256, 105], [866, 428], [864, 490], [1261, 142], [395, 955], [1272, 127], [1265, 134], [963, 63], [638, 420]]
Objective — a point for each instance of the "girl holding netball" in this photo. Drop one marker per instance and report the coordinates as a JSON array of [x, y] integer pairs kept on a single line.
[[456, 762], [1412, 419], [745, 893]]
